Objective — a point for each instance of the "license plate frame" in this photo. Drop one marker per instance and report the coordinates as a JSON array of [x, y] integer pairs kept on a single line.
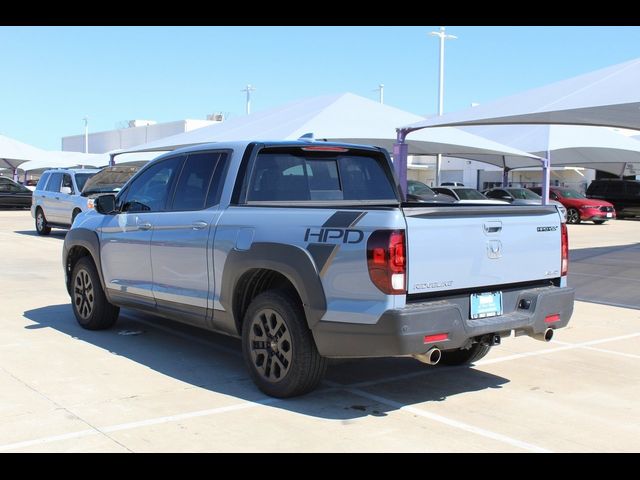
[[609, 215], [484, 305]]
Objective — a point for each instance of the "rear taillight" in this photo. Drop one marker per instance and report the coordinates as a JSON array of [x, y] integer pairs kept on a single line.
[[564, 269], [387, 262]]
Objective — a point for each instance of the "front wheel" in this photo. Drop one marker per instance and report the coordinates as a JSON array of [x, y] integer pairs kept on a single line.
[[41, 223], [463, 357], [90, 305], [573, 216], [278, 347]]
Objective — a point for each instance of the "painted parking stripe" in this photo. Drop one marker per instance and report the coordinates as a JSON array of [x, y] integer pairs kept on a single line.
[[450, 422], [138, 424]]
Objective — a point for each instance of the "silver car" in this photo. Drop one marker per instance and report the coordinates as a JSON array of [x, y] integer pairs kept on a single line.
[[522, 196]]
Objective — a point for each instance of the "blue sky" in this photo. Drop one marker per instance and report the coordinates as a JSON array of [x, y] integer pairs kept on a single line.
[[51, 77]]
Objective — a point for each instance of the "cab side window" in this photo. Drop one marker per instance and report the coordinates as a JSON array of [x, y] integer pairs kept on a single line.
[[200, 181], [149, 191]]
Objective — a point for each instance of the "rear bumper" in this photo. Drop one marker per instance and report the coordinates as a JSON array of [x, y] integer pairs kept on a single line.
[[402, 331]]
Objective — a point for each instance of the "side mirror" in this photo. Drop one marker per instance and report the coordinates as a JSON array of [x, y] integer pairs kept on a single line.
[[105, 204], [66, 190]]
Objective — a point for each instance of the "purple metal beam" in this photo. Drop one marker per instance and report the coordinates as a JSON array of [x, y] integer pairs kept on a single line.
[[400, 159]]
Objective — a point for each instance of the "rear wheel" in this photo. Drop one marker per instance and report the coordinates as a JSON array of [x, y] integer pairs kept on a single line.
[[90, 305], [599, 222], [278, 347], [462, 357], [42, 227], [573, 216]]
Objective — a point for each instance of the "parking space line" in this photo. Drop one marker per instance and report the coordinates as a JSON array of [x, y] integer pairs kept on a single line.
[[141, 423], [450, 422], [603, 350], [610, 304]]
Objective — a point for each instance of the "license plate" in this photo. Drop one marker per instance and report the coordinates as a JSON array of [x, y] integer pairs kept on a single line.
[[609, 215], [486, 304]]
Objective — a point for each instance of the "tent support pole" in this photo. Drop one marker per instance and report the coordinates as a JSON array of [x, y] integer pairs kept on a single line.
[[505, 176], [112, 159], [15, 174], [546, 178], [623, 169], [400, 159]]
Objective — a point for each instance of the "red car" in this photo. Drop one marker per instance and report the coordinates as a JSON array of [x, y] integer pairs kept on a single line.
[[580, 207]]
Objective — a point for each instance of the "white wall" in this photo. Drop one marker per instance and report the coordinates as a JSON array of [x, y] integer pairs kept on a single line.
[[101, 142]]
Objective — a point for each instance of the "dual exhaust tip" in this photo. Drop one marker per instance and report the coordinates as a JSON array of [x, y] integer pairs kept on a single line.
[[433, 355]]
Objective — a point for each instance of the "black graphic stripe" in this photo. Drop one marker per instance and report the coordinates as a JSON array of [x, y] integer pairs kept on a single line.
[[321, 253], [343, 219]]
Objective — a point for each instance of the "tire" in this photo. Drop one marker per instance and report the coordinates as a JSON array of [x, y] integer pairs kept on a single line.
[[462, 357], [599, 222], [289, 365], [75, 213], [42, 227], [573, 216], [90, 305]]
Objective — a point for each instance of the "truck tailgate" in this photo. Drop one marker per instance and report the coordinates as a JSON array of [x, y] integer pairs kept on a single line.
[[452, 248]]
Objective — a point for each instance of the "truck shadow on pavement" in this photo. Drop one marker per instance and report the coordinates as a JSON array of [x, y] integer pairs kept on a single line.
[[352, 388], [60, 234]]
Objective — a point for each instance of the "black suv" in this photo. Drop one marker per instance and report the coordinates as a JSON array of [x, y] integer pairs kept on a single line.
[[624, 194]]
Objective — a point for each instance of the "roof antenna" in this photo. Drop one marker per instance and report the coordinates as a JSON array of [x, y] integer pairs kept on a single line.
[[307, 137]]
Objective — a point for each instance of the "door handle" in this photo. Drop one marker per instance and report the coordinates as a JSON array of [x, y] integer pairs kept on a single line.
[[144, 226], [199, 225]]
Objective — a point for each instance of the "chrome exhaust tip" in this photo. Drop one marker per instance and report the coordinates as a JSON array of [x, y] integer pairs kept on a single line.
[[546, 336], [431, 357]]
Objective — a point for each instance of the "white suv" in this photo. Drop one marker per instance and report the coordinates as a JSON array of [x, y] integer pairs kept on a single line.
[[56, 200]]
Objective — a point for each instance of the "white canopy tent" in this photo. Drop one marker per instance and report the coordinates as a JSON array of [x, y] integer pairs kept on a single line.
[[345, 118], [565, 145], [606, 97], [13, 153]]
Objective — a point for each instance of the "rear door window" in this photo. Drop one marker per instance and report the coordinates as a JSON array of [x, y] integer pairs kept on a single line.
[[292, 174], [199, 184]]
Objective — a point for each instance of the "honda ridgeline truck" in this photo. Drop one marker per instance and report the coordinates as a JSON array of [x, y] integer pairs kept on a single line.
[[306, 251]]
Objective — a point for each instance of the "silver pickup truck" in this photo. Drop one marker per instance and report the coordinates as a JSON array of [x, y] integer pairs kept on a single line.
[[306, 251]]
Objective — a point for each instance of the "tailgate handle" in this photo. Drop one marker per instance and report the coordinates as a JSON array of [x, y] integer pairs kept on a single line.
[[492, 227]]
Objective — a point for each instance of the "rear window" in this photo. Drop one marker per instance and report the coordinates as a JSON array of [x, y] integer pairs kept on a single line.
[[633, 188], [524, 194], [295, 175], [469, 194]]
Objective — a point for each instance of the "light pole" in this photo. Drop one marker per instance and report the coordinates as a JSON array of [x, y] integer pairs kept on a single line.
[[442, 36], [248, 89], [86, 134], [380, 90]]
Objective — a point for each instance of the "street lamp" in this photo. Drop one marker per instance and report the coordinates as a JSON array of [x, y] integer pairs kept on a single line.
[[248, 89], [442, 36], [380, 90], [86, 134]]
